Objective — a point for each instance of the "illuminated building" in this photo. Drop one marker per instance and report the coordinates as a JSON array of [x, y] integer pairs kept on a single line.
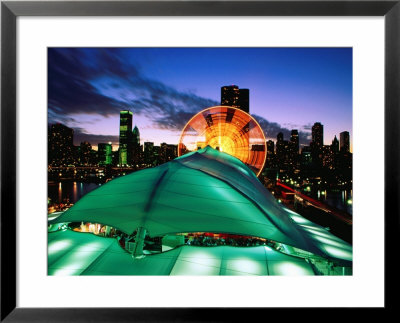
[[60, 145], [328, 157], [317, 134], [155, 157], [270, 163], [85, 149], [234, 97], [137, 151], [294, 140], [167, 152], [344, 141], [125, 138], [148, 151], [136, 136], [294, 148], [105, 153], [283, 152], [226, 129], [270, 148], [306, 157], [244, 100]]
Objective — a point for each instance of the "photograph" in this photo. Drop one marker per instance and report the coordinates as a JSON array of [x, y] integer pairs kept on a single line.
[[200, 161], [150, 147]]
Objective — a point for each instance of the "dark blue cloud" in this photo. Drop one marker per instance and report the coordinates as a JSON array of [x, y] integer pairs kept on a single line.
[[69, 89], [80, 135], [271, 130], [102, 81]]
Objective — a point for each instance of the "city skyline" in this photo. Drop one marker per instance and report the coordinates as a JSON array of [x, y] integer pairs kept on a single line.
[[290, 88]]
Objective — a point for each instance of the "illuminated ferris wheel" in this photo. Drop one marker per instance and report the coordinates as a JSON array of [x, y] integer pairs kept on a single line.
[[229, 130]]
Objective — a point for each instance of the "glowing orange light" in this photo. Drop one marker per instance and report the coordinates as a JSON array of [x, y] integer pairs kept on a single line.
[[229, 130]]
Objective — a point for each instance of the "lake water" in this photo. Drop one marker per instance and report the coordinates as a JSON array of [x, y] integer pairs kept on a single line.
[[342, 200], [61, 192]]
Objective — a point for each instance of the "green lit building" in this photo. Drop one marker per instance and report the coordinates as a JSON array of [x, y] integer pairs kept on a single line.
[[105, 153], [125, 138]]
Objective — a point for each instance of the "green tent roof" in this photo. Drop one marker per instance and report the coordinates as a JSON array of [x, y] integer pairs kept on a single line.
[[75, 253], [203, 191]]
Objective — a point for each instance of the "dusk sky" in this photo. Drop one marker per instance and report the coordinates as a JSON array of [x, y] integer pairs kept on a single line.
[[290, 88]]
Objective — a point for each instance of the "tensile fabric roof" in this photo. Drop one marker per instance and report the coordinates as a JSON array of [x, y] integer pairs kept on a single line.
[[76, 253], [202, 191]]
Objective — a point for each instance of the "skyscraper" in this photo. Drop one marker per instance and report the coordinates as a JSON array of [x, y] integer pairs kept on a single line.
[[270, 162], [294, 139], [167, 152], [232, 96], [60, 141], [306, 157], [294, 148], [282, 151], [335, 145], [318, 135], [279, 146], [270, 147], [105, 153], [125, 138], [148, 152], [84, 153], [136, 136], [137, 152], [344, 141], [244, 100]]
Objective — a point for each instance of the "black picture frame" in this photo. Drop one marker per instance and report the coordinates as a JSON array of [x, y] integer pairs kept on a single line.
[[10, 10]]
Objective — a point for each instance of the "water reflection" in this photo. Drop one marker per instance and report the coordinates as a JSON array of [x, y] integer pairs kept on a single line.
[[342, 200], [59, 192], [75, 192], [72, 192]]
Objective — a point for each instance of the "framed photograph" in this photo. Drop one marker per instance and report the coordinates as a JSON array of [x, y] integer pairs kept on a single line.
[[100, 96]]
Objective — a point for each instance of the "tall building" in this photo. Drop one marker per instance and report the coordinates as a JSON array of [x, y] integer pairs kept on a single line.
[[294, 148], [105, 153], [148, 151], [60, 145], [317, 143], [270, 163], [328, 157], [335, 145], [280, 146], [125, 138], [244, 100], [318, 135], [282, 152], [306, 157], [167, 152], [270, 147], [344, 141], [232, 96], [137, 151], [85, 149], [136, 136], [294, 139]]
